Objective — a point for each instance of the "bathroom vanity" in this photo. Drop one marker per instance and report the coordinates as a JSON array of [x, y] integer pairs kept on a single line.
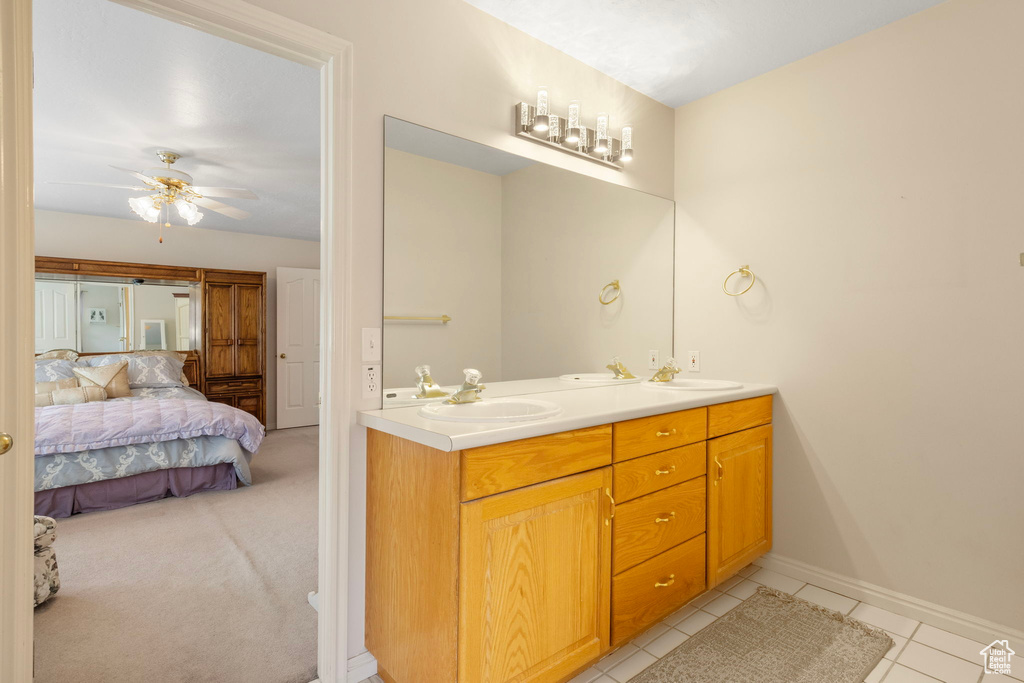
[[525, 551]]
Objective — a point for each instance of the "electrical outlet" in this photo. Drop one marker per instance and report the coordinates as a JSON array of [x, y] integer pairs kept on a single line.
[[693, 361], [653, 360], [371, 381], [371, 344]]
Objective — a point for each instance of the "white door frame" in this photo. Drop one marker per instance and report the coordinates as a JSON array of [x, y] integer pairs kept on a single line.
[[250, 25]]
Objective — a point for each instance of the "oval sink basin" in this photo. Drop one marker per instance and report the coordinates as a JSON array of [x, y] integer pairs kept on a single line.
[[696, 385], [492, 410], [598, 378]]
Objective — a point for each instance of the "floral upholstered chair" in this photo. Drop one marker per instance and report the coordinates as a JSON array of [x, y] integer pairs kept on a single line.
[[47, 577]]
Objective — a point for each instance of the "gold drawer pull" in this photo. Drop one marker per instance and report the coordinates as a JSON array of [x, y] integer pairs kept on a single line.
[[666, 583], [670, 432], [608, 492], [667, 518], [667, 470]]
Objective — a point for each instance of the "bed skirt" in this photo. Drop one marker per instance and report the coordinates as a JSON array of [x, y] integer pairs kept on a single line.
[[111, 494]]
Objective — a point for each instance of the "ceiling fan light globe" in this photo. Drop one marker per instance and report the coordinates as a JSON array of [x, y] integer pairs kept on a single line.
[[188, 211], [145, 207]]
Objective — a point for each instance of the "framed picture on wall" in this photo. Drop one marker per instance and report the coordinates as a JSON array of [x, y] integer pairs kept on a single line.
[[97, 316]]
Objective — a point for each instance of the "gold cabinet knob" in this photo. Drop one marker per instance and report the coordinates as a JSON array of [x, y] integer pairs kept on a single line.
[[662, 519], [670, 432], [667, 582], [283, 356], [665, 470], [6, 442]]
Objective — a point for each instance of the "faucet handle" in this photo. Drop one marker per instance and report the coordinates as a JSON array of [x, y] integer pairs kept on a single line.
[[423, 371], [473, 377]]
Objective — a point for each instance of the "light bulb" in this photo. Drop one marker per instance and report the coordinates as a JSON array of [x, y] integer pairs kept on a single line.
[[554, 128], [572, 124], [627, 143], [146, 208], [540, 119], [188, 211], [601, 134]]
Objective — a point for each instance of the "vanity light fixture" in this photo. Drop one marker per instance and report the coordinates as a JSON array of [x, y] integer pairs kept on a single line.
[[570, 134]]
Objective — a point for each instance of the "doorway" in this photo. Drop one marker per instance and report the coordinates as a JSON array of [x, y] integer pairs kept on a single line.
[[258, 28]]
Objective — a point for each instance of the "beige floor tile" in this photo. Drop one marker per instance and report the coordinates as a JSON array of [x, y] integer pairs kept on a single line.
[[729, 583], [901, 674], [679, 615], [878, 672], [631, 666], [820, 596], [744, 590], [695, 623], [786, 584], [722, 604], [666, 642], [702, 600], [614, 658], [961, 647], [899, 642], [945, 667], [884, 619], [587, 676], [748, 570], [651, 633]]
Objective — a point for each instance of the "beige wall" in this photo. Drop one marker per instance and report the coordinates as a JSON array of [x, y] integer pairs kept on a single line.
[[442, 256], [446, 65], [564, 237], [96, 237], [875, 190]]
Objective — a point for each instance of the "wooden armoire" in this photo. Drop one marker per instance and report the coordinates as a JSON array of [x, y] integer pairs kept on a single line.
[[235, 339]]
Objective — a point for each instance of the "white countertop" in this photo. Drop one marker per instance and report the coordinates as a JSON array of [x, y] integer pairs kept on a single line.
[[581, 407]]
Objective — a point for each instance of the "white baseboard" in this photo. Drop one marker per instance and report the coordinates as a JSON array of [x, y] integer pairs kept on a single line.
[[960, 623], [361, 667]]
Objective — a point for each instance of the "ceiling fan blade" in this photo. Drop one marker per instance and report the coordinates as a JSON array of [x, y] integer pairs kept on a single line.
[[143, 178], [234, 192], [116, 187], [220, 207]]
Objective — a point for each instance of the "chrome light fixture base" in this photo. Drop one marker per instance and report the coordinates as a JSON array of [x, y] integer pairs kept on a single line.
[[525, 115]]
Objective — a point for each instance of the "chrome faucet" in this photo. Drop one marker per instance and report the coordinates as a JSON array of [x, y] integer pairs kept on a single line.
[[427, 386], [470, 390], [619, 369], [668, 372]]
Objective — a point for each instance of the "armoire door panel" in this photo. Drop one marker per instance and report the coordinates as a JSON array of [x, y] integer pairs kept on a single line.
[[220, 330], [249, 316]]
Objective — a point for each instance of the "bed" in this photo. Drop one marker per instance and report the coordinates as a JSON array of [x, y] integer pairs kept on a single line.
[[164, 439]]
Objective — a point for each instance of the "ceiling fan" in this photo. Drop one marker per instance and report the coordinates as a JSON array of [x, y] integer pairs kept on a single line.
[[171, 187]]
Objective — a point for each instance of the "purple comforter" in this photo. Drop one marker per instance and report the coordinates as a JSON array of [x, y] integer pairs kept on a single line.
[[102, 424]]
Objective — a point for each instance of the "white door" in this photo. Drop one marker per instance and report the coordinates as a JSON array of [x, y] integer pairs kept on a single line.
[[16, 333], [56, 316], [182, 323], [298, 347]]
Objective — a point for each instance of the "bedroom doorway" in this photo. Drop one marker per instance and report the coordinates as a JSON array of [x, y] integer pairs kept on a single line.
[[264, 30]]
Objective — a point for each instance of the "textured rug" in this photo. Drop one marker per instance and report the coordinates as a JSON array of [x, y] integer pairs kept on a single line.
[[205, 589], [774, 637]]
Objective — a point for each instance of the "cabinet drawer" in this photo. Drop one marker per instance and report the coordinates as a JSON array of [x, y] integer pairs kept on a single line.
[[726, 418], [229, 385], [650, 473], [657, 433], [654, 523], [659, 586], [503, 467]]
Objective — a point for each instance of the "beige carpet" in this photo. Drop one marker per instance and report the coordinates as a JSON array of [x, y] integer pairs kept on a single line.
[[774, 637], [206, 588]]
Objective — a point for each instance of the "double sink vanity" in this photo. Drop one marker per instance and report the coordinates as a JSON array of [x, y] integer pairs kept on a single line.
[[523, 522], [525, 551]]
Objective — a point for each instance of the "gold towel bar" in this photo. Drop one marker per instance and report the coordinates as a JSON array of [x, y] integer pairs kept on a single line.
[[444, 319], [743, 271]]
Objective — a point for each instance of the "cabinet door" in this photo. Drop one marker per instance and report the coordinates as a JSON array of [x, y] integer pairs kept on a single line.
[[220, 330], [535, 580], [250, 403], [739, 501], [249, 316]]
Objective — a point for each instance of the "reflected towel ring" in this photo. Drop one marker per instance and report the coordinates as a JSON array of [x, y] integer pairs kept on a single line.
[[614, 284], [743, 271]]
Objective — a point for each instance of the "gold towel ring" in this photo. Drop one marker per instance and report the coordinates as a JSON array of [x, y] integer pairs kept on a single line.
[[614, 284], [743, 271]]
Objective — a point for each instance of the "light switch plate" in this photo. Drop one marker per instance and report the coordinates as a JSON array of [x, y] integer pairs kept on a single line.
[[693, 361], [371, 344]]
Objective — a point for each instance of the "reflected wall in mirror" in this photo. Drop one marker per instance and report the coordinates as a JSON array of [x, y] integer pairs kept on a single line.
[[516, 253], [100, 317]]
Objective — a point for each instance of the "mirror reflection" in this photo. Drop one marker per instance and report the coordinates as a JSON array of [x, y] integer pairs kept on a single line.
[[517, 269], [108, 317]]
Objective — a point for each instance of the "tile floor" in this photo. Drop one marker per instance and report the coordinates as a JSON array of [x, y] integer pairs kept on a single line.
[[921, 654]]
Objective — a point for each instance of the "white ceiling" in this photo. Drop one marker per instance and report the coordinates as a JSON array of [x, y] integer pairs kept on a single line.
[[433, 144], [677, 51], [113, 85]]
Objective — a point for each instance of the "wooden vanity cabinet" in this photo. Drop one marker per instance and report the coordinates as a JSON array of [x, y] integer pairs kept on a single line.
[[527, 561]]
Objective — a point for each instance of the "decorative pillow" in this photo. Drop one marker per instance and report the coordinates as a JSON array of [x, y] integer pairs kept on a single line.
[[47, 387], [58, 354], [51, 370], [68, 396], [113, 378], [145, 368]]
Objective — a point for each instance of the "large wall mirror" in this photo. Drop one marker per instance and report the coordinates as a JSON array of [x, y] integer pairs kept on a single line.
[[111, 315], [500, 263]]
